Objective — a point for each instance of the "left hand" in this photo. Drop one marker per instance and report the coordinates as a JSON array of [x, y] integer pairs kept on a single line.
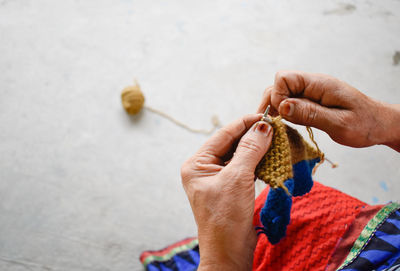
[[219, 182], [347, 115]]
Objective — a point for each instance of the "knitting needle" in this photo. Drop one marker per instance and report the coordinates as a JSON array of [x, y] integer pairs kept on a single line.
[[265, 116]]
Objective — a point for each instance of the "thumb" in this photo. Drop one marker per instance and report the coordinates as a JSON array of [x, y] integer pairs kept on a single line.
[[252, 147], [308, 113]]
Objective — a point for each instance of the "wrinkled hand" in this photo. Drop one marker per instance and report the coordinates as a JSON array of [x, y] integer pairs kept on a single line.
[[348, 116], [219, 182]]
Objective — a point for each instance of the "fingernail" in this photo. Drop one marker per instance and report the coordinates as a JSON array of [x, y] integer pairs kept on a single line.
[[287, 109], [263, 127]]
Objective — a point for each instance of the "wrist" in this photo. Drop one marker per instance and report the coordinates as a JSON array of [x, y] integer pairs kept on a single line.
[[390, 131], [242, 262], [222, 266], [219, 253]]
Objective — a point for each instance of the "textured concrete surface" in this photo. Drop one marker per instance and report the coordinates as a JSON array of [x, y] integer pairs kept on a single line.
[[85, 187]]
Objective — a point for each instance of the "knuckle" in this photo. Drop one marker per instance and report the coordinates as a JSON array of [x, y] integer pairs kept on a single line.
[[310, 113], [186, 171], [285, 75], [201, 158], [199, 164], [291, 82], [350, 127], [328, 84], [225, 133], [249, 144], [268, 90], [193, 164], [344, 120], [281, 74]]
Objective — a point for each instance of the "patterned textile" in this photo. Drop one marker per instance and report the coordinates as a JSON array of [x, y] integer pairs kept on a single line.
[[275, 215], [287, 168], [182, 256], [378, 246], [318, 220], [346, 242]]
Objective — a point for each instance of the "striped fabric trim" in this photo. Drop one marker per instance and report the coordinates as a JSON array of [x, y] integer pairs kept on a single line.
[[369, 231], [171, 253]]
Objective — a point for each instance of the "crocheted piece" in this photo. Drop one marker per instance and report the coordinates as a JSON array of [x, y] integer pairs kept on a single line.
[[319, 219], [287, 168]]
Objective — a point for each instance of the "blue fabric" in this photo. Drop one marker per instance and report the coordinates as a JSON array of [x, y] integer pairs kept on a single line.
[[394, 240], [194, 253], [383, 250], [375, 256], [395, 222], [183, 261], [275, 215], [183, 264], [392, 264]]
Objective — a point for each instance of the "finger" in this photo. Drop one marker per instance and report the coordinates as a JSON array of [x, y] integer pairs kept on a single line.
[[251, 148], [266, 100], [222, 141], [308, 113], [320, 88]]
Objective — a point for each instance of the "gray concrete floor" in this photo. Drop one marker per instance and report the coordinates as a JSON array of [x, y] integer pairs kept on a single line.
[[83, 186]]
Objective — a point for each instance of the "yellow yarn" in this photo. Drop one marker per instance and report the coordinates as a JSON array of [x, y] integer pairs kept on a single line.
[[287, 148], [132, 99], [276, 165]]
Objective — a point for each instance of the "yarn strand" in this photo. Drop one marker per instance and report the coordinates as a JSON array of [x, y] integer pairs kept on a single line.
[[133, 101], [322, 155], [215, 122]]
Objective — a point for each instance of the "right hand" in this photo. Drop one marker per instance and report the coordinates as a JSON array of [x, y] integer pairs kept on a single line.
[[219, 183], [348, 116]]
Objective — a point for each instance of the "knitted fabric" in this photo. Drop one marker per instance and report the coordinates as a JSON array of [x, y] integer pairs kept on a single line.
[[275, 168], [319, 220], [287, 168], [287, 148]]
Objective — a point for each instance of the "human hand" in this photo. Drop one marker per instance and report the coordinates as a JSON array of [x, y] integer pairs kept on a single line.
[[348, 116], [219, 183]]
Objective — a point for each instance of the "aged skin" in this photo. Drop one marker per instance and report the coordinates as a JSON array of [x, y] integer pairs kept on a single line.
[[219, 178], [348, 116]]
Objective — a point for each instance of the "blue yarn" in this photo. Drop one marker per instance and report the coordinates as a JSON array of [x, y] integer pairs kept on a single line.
[[275, 215], [302, 174]]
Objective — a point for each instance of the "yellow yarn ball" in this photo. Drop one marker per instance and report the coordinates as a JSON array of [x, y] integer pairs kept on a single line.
[[132, 99]]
